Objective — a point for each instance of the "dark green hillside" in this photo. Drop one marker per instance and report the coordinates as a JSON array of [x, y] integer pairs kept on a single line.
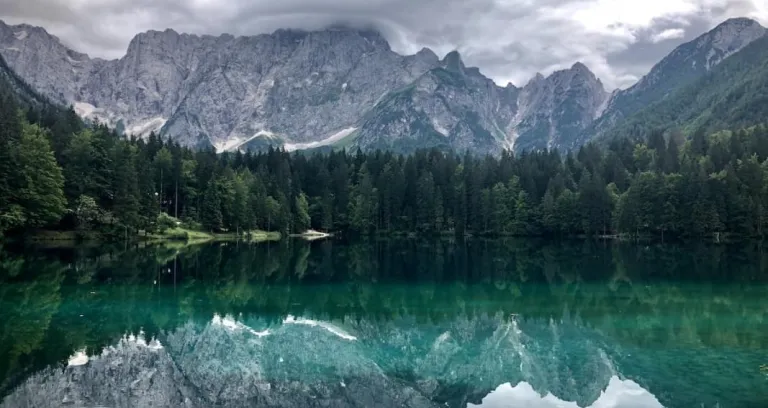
[[733, 95]]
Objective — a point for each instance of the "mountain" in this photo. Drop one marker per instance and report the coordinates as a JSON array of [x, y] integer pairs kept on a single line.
[[555, 109], [338, 86], [454, 106], [343, 87], [450, 106], [304, 86], [22, 92], [301, 86], [683, 66], [733, 94]]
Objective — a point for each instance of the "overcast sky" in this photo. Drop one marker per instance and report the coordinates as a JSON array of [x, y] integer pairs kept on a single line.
[[510, 40]]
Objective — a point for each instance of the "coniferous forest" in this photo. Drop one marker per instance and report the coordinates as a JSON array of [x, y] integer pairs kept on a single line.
[[56, 173]]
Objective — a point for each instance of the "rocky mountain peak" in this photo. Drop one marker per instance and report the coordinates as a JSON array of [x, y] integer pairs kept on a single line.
[[578, 66], [558, 107], [537, 81], [684, 65], [427, 55], [729, 37], [452, 62], [340, 85], [736, 23]]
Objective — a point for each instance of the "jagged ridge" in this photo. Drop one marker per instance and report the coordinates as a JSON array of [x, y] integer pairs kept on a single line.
[[341, 87]]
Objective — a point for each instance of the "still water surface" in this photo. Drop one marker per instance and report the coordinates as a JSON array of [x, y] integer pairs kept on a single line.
[[386, 323]]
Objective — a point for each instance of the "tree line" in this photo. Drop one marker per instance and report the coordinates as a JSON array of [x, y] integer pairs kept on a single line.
[[55, 172]]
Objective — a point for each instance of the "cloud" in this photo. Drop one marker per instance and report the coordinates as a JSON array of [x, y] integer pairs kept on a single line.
[[510, 40], [668, 34]]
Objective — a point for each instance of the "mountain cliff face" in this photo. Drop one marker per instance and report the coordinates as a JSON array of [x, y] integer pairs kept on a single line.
[[302, 86], [450, 106], [22, 92], [341, 87], [554, 109], [300, 90], [684, 65]]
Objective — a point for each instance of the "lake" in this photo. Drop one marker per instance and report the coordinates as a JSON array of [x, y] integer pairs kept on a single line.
[[405, 323]]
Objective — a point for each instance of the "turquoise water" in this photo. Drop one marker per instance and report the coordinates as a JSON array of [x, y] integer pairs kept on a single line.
[[386, 323]]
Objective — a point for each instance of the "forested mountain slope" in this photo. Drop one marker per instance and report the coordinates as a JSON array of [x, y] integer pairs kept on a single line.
[[683, 66], [733, 95]]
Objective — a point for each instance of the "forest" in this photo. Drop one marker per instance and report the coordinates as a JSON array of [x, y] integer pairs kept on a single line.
[[58, 174]]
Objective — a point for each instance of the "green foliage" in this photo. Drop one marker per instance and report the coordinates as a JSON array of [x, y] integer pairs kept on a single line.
[[731, 95], [87, 212], [211, 217], [712, 184], [40, 193], [126, 188], [303, 221], [166, 222]]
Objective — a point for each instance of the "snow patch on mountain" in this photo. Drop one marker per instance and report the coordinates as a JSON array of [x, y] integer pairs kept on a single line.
[[84, 109], [91, 113], [21, 35], [439, 128], [143, 129], [325, 142], [235, 143]]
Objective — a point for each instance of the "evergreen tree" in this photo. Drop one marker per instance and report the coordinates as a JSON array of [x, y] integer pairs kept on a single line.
[[363, 205], [568, 212], [595, 203], [41, 193], [126, 200], [162, 162], [501, 215], [241, 210], [524, 216], [210, 212], [425, 203], [549, 212], [326, 217], [303, 220], [10, 137]]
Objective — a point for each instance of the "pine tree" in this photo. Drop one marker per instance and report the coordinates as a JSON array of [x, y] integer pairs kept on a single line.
[[363, 206], [126, 201], [569, 212], [210, 212], [162, 162], [523, 224], [425, 203], [240, 208], [549, 211], [302, 219], [595, 205], [41, 193], [326, 221], [10, 137], [501, 214]]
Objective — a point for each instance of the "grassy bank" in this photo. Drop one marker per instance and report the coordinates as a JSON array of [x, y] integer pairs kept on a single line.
[[192, 236], [171, 236]]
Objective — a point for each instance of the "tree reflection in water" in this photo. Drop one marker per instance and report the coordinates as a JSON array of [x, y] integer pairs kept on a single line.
[[444, 319]]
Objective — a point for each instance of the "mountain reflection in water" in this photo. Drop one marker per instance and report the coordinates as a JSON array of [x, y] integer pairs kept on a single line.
[[386, 323]]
